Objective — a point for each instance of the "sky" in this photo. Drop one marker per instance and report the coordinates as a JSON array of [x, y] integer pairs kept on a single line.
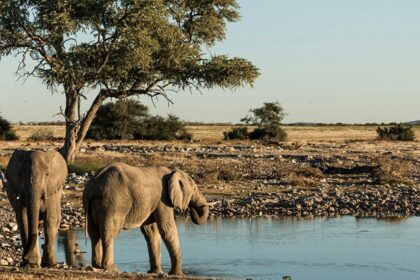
[[325, 61]]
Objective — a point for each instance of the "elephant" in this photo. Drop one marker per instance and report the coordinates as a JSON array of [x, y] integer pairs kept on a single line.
[[33, 183], [121, 196]]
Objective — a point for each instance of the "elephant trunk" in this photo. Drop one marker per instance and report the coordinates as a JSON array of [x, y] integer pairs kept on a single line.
[[199, 208], [199, 215], [34, 201]]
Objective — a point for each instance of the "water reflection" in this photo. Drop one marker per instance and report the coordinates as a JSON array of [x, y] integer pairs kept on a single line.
[[337, 248], [69, 244]]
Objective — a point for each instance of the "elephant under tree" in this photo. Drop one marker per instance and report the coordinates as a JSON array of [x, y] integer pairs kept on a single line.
[[34, 182], [123, 197]]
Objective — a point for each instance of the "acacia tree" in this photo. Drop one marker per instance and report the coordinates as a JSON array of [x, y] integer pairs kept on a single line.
[[119, 48]]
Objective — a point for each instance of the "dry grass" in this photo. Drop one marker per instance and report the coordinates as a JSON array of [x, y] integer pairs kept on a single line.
[[24, 132], [210, 133], [394, 170]]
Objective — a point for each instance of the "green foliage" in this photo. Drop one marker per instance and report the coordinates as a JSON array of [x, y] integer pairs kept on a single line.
[[400, 132], [6, 132], [268, 120], [240, 133], [128, 47], [159, 128], [119, 120], [9, 135], [271, 113], [129, 119], [269, 132]]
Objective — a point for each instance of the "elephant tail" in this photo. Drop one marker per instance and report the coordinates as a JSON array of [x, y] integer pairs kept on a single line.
[[88, 194], [33, 221], [86, 220]]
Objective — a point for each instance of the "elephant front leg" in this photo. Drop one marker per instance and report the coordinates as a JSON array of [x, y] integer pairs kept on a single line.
[[51, 224], [152, 236], [169, 233], [34, 259]]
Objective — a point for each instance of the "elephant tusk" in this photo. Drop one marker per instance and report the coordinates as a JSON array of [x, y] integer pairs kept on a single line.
[[211, 203], [3, 178]]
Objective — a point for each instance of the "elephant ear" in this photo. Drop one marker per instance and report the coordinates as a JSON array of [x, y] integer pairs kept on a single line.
[[180, 189]]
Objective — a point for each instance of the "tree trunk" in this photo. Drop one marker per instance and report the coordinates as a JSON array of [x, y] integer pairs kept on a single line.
[[76, 129], [69, 148]]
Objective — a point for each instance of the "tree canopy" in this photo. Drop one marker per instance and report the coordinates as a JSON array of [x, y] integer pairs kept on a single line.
[[271, 113], [119, 49]]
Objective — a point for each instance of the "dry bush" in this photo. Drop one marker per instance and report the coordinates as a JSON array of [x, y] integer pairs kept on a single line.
[[214, 171], [42, 135], [393, 170]]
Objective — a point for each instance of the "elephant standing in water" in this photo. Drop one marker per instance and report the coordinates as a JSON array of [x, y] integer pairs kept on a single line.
[[34, 182], [123, 197]]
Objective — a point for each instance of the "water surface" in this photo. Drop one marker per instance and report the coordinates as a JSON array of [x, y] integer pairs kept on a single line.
[[338, 248]]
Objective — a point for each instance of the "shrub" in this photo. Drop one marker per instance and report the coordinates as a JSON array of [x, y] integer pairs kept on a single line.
[[42, 135], [268, 133], [240, 133], [9, 135], [400, 132], [6, 132], [118, 120], [129, 119], [268, 120]]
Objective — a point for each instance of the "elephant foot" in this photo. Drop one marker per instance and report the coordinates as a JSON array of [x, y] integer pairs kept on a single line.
[[176, 272], [27, 264], [49, 263], [97, 265], [111, 268], [155, 271]]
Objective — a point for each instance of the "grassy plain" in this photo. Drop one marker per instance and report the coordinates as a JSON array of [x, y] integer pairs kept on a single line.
[[210, 133]]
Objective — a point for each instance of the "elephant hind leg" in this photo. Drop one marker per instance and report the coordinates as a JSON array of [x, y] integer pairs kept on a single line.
[[96, 243], [152, 236], [109, 229]]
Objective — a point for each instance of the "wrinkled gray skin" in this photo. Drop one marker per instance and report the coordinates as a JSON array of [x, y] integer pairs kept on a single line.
[[123, 197], [34, 187]]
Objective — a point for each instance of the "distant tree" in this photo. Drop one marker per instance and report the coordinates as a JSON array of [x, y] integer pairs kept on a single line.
[[268, 120], [119, 48], [6, 132], [271, 113]]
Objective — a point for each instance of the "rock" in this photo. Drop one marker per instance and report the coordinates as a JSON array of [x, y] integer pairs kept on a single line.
[[64, 226], [4, 262], [13, 226]]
